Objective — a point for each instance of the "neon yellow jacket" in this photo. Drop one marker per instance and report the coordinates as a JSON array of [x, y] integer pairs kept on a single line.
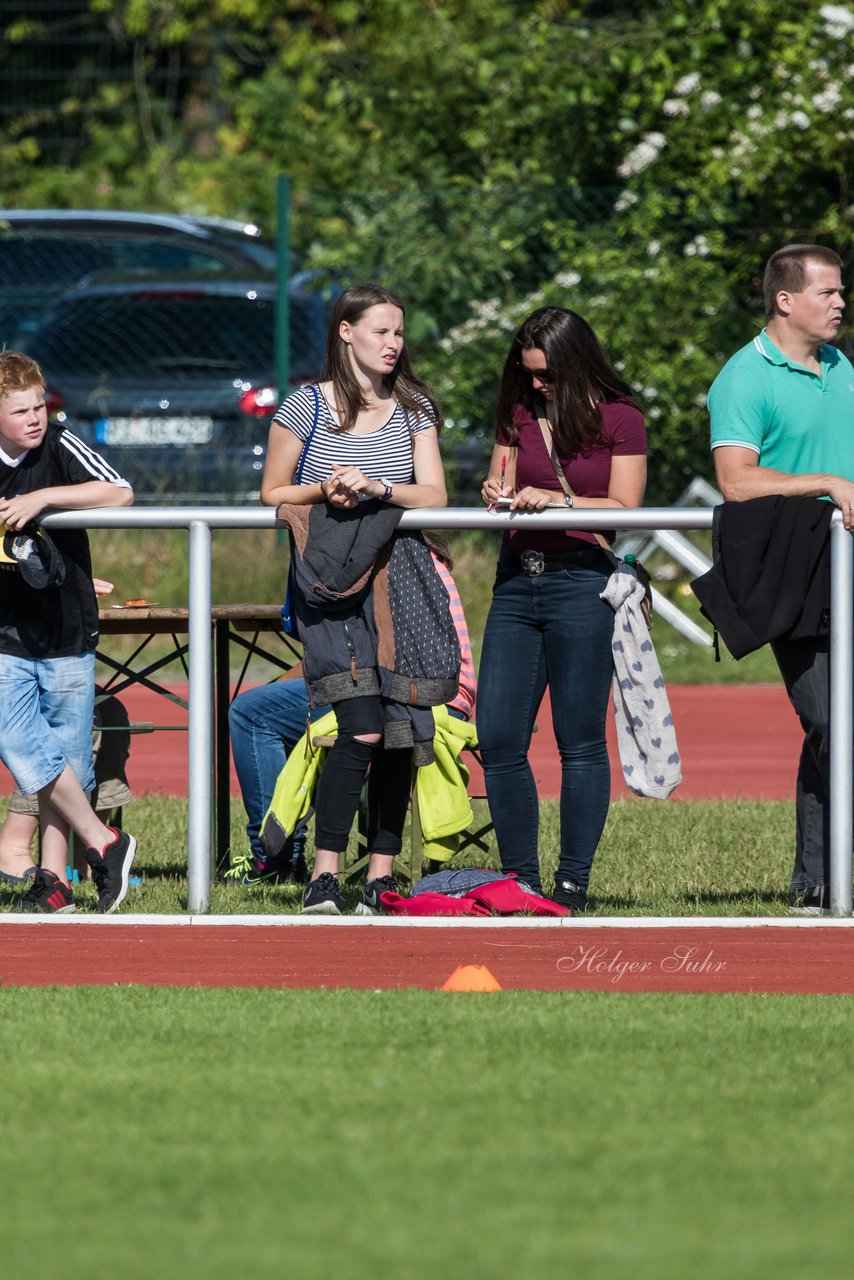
[[444, 808]]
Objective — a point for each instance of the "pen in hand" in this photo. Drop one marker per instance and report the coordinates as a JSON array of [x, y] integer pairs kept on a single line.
[[503, 471]]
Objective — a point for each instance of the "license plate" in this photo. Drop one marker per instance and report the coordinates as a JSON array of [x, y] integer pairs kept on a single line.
[[163, 430]]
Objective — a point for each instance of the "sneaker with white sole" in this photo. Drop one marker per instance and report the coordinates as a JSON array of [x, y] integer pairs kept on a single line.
[[811, 901], [111, 870], [371, 904], [48, 896], [322, 896], [569, 894]]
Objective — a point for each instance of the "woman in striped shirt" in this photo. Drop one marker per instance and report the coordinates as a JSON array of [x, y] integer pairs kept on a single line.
[[369, 429]]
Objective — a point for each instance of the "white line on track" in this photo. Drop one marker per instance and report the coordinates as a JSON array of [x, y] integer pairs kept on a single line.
[[434, 922]]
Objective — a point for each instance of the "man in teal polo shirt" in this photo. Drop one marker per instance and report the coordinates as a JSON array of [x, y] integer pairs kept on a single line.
[[782, 412]]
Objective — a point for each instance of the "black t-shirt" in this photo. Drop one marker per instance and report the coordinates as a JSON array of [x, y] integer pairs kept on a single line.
[[58, 621]]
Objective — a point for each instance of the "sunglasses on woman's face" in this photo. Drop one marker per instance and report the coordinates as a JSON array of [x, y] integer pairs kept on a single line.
[[542, 375]]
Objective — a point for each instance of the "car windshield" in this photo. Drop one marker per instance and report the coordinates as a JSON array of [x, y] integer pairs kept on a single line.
[[184, 335]]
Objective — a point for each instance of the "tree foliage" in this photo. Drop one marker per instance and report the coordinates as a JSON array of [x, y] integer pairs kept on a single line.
[[637, 162]]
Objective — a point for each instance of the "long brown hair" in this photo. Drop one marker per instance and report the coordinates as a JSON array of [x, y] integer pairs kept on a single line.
[[408, 390], [583, 376]]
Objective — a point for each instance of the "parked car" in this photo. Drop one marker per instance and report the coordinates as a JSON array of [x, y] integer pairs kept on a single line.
[[173, 379], [44, 252]]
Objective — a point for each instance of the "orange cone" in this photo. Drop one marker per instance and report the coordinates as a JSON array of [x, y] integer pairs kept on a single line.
[[471, 977]]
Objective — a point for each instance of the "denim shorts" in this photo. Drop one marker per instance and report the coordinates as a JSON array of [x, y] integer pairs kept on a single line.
[[46, 711]]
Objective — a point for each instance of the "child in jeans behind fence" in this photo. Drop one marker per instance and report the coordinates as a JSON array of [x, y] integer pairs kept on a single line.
[[48, 635]]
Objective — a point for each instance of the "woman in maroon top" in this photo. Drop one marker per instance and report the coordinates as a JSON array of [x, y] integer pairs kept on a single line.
[[547, 625]]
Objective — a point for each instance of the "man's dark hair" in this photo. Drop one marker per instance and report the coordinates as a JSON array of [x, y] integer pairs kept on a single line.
[[786, 270]]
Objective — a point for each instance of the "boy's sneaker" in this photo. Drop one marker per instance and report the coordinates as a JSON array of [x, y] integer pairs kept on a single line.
[[371, 890], [569, 894], [48, 896], [323, 896], [250, 871], [111, 870]]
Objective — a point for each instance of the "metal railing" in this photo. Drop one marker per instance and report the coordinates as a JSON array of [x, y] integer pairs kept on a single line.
[[199, 521]]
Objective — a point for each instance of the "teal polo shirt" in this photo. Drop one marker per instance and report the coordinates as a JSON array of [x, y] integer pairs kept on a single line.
[[796, 421]]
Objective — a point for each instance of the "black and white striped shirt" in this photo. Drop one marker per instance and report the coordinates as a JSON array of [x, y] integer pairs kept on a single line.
[[385, 454]]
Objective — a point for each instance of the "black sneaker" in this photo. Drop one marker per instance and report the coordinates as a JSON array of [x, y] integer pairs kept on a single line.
[[813, 901], [48, 896], [569, 894], [110, 870], [371, 890], [323, 896]]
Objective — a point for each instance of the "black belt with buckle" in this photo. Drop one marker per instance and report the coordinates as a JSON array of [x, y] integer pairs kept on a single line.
[[535, 563]]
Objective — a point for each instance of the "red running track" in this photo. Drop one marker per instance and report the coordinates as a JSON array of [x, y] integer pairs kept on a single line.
[[815, 958], [735, 740]]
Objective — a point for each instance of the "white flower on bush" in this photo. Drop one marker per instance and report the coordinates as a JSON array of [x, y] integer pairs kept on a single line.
[[653, 248], [567, 279], [675, 107], [687, 84], [828, 99], [709, 99], [838, 20], [799, 119], [641, 156], [485, 314], [698, 247], [624, 201]]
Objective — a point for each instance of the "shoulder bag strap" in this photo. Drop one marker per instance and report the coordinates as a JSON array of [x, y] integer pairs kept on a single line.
[[548, 439], [310, 437]]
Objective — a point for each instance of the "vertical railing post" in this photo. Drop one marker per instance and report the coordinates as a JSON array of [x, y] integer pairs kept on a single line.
[[283, 300], [841, 716], [200, 748]]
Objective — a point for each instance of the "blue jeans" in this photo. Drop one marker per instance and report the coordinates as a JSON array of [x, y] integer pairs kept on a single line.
[[46, 711], [265, 725], [552, 630]]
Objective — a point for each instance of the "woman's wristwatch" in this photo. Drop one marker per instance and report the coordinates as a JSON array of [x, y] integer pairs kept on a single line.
[[567, 500], [386, 493]]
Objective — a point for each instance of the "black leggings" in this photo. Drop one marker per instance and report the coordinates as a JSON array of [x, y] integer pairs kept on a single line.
[[343, 776]]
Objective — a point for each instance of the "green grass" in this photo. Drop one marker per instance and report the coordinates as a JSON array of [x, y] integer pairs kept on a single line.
[[249, 566], [670, 859], [214, 1134]]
